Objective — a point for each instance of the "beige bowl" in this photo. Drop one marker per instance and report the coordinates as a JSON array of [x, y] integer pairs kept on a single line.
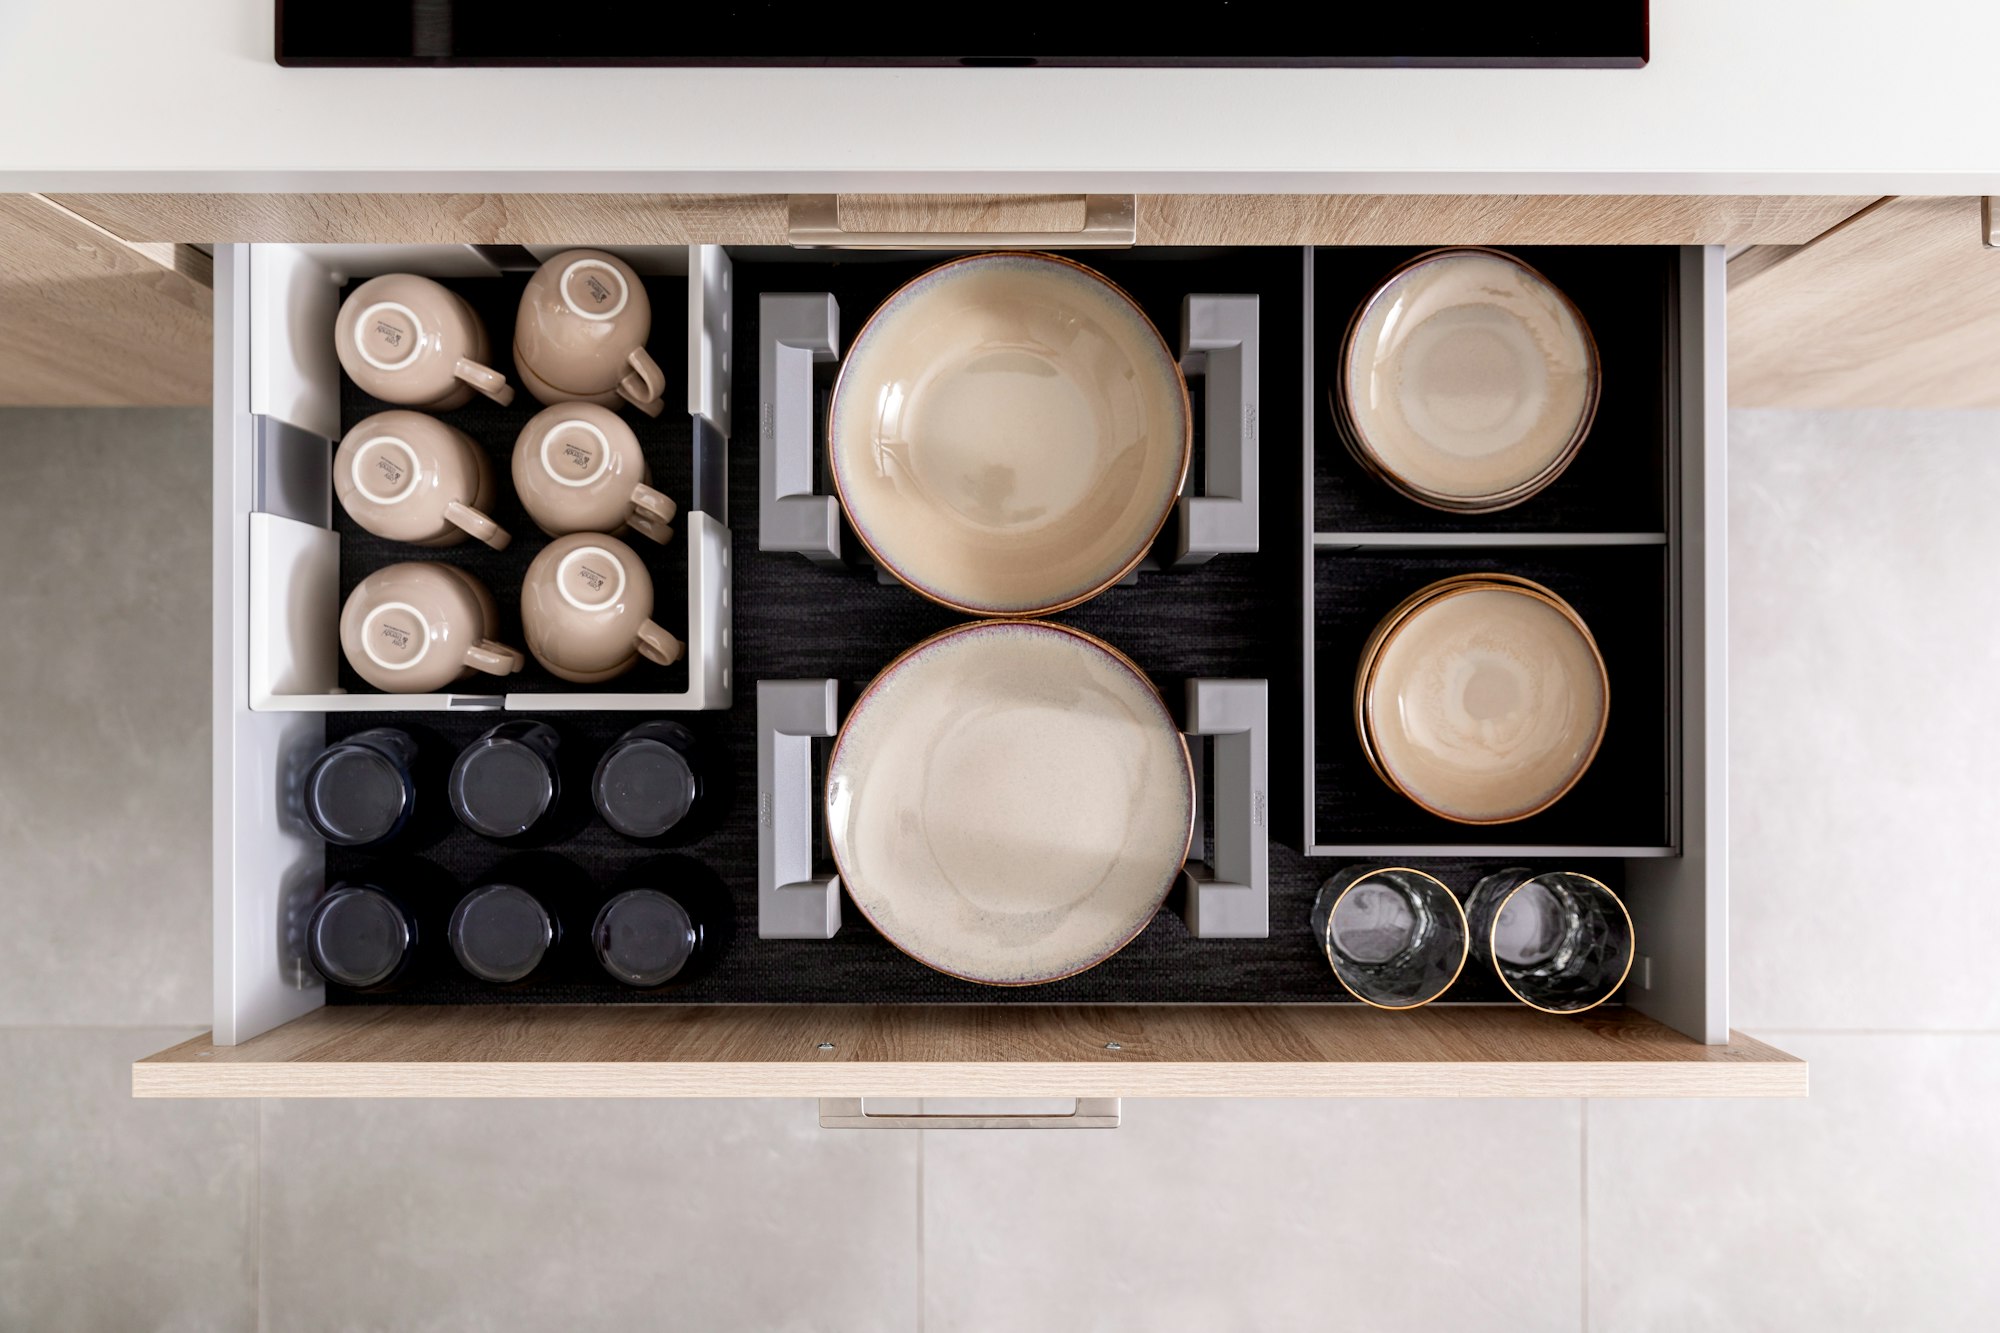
[[1467, 381], [585, 610], [1008, 434], [1483, 698]]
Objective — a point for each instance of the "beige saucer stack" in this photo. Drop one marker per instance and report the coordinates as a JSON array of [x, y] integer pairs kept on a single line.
[[1467, 381], [1482, 697]]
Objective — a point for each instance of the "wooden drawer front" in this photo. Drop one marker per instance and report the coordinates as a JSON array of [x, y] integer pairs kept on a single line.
[[961, 1051]]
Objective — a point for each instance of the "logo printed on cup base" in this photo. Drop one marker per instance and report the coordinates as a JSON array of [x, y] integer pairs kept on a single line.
[[593, 289], [575, 453], [396, 636], [389, 462], [389, 335], [591, 578]]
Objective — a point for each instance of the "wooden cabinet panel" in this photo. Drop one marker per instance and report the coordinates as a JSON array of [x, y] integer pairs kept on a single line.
[[1898, 307], [1233, 219], [967, 1051], [88, 320], [1488, 219]]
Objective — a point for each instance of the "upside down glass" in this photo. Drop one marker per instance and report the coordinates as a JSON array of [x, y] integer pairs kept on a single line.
[[1560, 941], [1396, 937]]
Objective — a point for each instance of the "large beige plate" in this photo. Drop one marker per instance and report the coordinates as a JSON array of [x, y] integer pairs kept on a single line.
[[1009, 802], [1008, 434], [1485, 702]]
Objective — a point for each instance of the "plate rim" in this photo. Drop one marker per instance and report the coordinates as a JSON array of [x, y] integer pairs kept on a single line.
[[1181, 473], [1089, 640]]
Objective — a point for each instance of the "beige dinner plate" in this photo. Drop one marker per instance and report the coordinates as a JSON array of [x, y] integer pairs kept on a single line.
[[1008, 434], [1484, 699], [1467, 380], [1009, 802]]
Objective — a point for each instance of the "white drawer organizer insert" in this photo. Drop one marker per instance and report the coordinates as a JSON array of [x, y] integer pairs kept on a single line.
[[277, 569]]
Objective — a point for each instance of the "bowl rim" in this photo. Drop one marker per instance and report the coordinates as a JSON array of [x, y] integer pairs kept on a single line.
[[1444, 590], [1348, 428]]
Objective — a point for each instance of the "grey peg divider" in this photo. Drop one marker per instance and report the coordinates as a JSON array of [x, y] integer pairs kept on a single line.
[[1229, 895], [792, 902], [1219, 343], [795, 331]]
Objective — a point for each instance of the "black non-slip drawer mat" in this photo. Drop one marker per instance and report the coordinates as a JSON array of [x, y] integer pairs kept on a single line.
[[1238, 616], [666, 440], [1617, 483]]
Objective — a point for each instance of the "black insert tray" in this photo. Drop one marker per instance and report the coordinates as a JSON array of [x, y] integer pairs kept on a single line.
[[1237, 616]]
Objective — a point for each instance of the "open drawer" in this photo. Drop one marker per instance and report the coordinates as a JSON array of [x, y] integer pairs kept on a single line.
[[277, 390]]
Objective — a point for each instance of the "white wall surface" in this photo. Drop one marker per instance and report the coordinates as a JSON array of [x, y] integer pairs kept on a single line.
[[1831, 96]]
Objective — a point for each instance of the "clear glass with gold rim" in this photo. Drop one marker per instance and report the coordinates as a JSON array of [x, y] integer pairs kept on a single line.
[[1561, 941], [1395, 937]]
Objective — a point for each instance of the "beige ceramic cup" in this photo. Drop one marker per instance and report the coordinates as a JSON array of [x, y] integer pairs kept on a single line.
[[585, 606], [415, 628], [578, 468], [411, 478], [413, 342], [581, 334]]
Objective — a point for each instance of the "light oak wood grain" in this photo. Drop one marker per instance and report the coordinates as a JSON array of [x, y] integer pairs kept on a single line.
[[1222, 219], [1499, 219], [432, 219], [1900, 307], [946, 1051], [87, 320]]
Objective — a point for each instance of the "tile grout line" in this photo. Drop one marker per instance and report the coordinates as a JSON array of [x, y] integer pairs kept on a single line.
[[257, 1228], [1583, 1198], [923, 1294]]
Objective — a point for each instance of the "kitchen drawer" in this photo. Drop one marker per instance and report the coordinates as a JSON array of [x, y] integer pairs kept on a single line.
[[277, 386]]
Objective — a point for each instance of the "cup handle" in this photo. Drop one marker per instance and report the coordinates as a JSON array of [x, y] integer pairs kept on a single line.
[[644, 523], [656, 645], [496, 659], [485, 379], [656, 503], [466, 517], [643, 387]]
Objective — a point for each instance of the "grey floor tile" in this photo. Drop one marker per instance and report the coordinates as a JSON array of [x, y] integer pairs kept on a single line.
[[1870, 1205], [116, 1214], [700, 1215], [1864, 650], [1256, 1215], [104, 716]]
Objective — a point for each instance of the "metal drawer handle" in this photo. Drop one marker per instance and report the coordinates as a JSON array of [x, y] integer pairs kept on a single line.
[[851, 1113], [1109, 220]]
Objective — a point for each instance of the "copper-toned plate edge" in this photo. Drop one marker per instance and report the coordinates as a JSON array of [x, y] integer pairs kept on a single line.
[[1180, 483], [977, 626], [1351, 435], [1465, 583]]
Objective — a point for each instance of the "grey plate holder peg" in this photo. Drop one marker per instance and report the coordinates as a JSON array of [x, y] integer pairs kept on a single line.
[[1228, 895], [798, 330]]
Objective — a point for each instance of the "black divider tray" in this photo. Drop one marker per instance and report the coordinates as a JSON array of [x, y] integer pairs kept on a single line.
[[1617, 484], [667, 441], [1238, 616]]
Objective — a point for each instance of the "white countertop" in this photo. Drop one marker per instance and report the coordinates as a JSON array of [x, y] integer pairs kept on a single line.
[[1742, 96]]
